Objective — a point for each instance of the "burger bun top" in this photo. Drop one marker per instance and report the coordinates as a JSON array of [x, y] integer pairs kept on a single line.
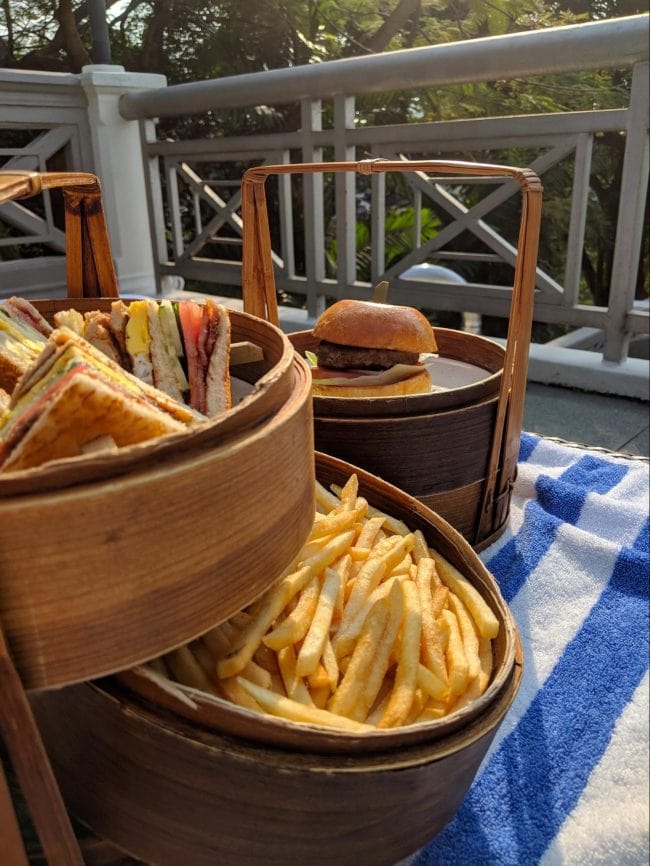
[[376, 326]]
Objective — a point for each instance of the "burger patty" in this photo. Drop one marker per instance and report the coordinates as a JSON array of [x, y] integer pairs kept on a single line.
[[340, 357]]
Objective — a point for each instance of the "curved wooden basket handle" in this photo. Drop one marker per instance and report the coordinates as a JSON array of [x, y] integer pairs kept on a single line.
[[259, 298], [89, 263]]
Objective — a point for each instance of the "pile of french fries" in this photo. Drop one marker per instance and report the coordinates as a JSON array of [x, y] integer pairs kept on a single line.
[[368, 629]]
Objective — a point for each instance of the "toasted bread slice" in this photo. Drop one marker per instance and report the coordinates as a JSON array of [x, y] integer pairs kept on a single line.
[[79, 408]]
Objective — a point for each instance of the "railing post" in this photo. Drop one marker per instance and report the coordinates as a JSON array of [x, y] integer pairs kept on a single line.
[[117, 156], [578, 219], [377, 225], [286, 221], [346, 212], [312, 121], [154, 202], [629, 227]]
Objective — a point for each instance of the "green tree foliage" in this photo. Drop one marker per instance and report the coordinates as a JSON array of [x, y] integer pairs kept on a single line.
[[190, 40]]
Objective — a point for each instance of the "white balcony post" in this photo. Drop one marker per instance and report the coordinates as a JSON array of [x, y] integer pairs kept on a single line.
[[119, 164]]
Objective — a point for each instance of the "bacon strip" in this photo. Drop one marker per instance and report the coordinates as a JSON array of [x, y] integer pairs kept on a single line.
[[29, 314]]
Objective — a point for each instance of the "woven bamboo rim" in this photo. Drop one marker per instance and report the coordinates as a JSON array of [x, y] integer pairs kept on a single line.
[[259, 296]]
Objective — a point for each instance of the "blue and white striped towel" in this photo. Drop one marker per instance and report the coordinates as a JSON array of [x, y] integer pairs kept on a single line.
[[566, 779]]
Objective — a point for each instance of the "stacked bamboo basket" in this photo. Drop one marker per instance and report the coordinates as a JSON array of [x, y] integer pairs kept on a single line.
[[170, 784], [110, 561], [457, 449]]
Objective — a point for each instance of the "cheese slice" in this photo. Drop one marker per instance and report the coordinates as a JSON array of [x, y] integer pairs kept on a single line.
[[21, 332], [138, 341]]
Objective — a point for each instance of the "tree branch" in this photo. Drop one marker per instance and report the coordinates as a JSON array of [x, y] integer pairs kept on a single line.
[[73, 45], [396, 21]]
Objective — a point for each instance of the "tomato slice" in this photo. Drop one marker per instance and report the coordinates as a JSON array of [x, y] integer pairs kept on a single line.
[[191, 317]]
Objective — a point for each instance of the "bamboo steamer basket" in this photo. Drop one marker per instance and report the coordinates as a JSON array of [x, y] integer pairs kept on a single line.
[[107, 562], [169, 784], [455, 451]]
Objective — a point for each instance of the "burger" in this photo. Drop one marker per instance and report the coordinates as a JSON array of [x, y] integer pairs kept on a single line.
[[368, 349]]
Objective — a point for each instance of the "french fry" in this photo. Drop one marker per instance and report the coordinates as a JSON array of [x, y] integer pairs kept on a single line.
[[432, 649], [469, 635], [330, 664], [429, 683], [186, 669], [235, 693], [277, 683], [348, 494], [320, 697], [206, 660], [403, 567], [420, 699], [398, 527], [252, 671], [369, 532], [383, 544], [229, 631], [325, 498], [318, 632], [332, 524], [487, 662], [372, 686], [293, 684], [346, 694], [343, 664], [349, 586], [257, 674], [318, 679], [439, 599], [346, 637], [266, 658], [380, 704], [240, 619], [401, 698], [486, 622], [478, 685], [333, 550], [286, 708], [249, 639], [420, 547], [456, 659], [342, 568], [295, 626], [370, 575], [392, 524], [361, 507], [276, 600], [204, 657], [217, 642], [312, 548], [433, 710]]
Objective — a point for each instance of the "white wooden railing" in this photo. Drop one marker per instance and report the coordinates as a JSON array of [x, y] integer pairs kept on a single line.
[[194, 207]]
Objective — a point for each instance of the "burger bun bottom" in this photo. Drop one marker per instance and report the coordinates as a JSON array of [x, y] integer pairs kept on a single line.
[[420, 383]]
